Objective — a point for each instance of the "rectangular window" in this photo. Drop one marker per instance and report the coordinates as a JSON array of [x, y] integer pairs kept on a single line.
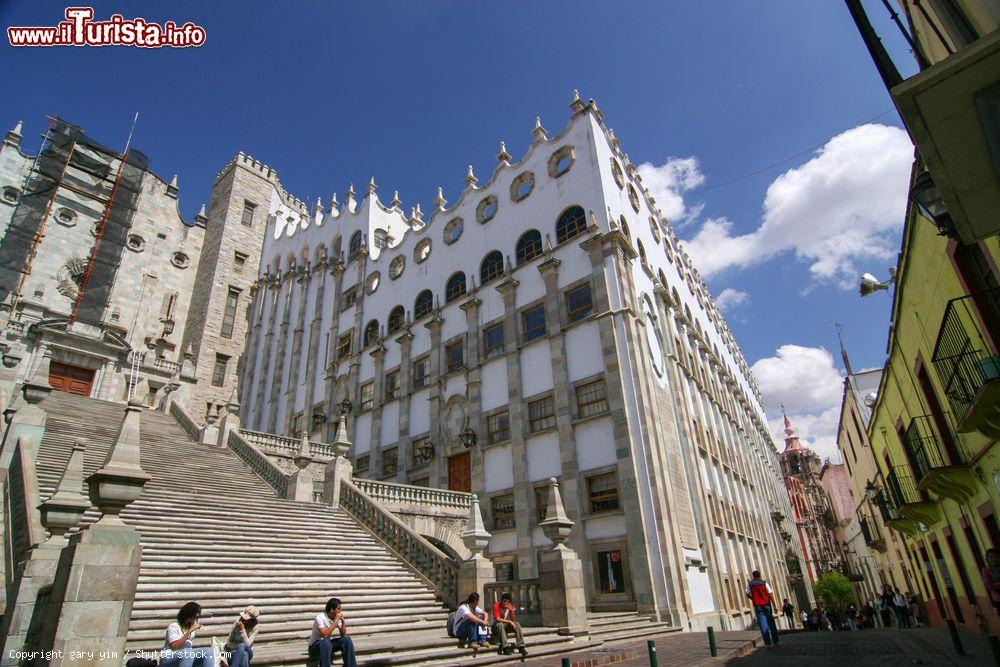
[[541, 414], [348, 298], [454, 356], [603, 492], [533, 322], [239, 261], [498, 428], [362, 462], [248, 210], [420, 372], [219, 371], [493, 340], [297, 425], [391, 385], [229, 315], [541, 502], [389, 461], [579, 302], [591, 399], [367, 396], [344, 345], [502, 511], [504, 570]]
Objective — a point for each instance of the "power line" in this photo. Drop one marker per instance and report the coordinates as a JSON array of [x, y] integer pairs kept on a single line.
[[787, 159]]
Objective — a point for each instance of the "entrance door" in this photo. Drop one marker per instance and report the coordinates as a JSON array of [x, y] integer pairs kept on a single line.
[[460, 472], [71, 379]]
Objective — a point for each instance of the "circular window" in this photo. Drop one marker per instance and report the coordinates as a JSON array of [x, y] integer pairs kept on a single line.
[[66, 216], [396, 267], [561, 161], [422, 251], [653, 229], [372, 282], [10, 195], [135, 242], [669, 249], [453, 231], [487, 209], [180, 260], [522, 186], [633, 198], [616, 171]]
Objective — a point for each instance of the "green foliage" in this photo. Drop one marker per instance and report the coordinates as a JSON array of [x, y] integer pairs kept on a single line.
[[833, 590]]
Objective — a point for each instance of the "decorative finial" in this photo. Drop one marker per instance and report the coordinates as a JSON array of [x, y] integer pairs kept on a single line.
[[17, 128], [470, 179], [201, 214], [395, 203], [172, 187], [440, 201], [577, 104], [350, 190], [503, 156], [371, 185], [539, 132]]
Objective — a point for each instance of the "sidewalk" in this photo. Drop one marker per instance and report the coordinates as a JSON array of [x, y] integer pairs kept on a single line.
[[683, 649]]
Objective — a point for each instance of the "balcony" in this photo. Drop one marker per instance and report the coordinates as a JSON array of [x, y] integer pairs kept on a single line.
[[909, 506], [966, 364], [872, 534], [938, 463]]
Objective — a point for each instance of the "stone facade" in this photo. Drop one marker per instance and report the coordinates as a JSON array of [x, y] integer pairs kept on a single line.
[[521, 334]]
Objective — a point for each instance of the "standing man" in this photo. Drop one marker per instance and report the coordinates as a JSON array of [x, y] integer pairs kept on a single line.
[[789, 611], [762, 598]]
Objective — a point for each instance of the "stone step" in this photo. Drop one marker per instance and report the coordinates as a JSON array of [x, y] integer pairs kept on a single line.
[[635, 632], [194, 585], [426, 604]]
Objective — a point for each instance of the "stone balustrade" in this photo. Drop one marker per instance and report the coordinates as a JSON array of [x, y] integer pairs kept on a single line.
[[279, 444], [186, 422], [398, 497], [524, 594], [259, 462], [439, 572], [156, 363], [20, 507]]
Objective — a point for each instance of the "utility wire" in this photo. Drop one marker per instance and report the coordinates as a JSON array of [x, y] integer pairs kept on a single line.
[[787, 159]]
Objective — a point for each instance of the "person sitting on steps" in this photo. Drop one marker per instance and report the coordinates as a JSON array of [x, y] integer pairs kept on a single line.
[[470, 618], [178, 648], [505, 621], [241, 637], [322, 643]]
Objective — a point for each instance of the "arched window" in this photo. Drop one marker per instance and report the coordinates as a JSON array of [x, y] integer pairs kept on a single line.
[[371, 333], [355, 245], [642, 250], [529, 246], [423, 304], [491, 267], [395, 322], [455, 287], [572, 222]]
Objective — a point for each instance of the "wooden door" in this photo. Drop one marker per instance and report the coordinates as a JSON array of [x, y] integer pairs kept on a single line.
[[71, 379], [460, 472]]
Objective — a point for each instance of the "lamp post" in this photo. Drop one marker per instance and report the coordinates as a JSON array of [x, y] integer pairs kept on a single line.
[[345, 407], [469, 437]]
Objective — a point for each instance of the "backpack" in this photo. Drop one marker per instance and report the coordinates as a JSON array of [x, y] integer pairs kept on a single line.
[[453, 619]]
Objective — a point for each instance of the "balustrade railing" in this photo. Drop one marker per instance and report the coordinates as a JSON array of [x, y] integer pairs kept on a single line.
[[524, 594], [22, 523], [185, 421], [393, 493], [259, 462], [902, 488], [440, 572], [280, 444], [159, 363]]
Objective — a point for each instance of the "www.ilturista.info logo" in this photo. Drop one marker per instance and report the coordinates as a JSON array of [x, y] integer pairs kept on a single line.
[[79, 29]]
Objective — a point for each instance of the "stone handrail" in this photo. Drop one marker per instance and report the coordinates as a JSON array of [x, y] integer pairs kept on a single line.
[[280, 444], [184, 419], [440, 572], [394, 493], [22, 522], [258, 461], [524, 593]]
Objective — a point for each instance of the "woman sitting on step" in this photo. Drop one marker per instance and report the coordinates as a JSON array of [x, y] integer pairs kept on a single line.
[[241, 637], [471, 619], [178, 649], [322, 643]]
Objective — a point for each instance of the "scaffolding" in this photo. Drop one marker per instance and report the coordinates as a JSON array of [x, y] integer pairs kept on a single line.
[[103, 180]]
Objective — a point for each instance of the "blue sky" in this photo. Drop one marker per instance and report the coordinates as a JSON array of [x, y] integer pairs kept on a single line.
[[411, 92]]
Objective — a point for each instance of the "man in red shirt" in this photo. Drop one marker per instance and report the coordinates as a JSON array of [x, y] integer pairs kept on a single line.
[[505, 621], [762, 598]]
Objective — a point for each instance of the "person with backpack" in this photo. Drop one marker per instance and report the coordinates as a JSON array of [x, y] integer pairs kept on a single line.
[[789, 612], [322, 643], [504, 622], [467, 621], [762, 597]]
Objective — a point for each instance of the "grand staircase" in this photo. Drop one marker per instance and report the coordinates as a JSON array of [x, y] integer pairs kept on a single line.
[[214, 532]]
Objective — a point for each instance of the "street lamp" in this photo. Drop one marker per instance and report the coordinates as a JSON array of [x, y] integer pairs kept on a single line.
[[318, 420], [927, 196], [345, 407], [469, 437], [425, 451], [870, 284]]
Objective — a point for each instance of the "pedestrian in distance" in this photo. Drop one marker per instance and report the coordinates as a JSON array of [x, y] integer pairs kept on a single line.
[[762, 597], [902, 609], [887, 607], [322, 643], [789, 612]]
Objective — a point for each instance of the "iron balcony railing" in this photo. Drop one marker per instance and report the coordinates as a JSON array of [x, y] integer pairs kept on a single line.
[[962, 356], [924, 445], [902, 488], [870, 530]]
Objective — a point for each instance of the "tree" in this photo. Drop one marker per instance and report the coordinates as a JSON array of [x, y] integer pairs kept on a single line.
[[834, 591]]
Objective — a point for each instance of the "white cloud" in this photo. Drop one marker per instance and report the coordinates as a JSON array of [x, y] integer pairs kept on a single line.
[[842, 207], [669, 181], [805, 381], [730, 297]]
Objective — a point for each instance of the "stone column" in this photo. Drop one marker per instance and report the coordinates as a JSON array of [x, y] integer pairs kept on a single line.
[[94, 588], [304, 280], [439, 466], [261, 408], [338, 468], [405, 443], [300, 486], [61, 512], [378, 396], [563, 601], [314, 335], [231, 419], [283, 343], [474, 387], [330, 399], [475, 571]]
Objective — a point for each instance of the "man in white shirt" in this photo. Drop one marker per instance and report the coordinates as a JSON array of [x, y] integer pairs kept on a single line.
[[322, 643]]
